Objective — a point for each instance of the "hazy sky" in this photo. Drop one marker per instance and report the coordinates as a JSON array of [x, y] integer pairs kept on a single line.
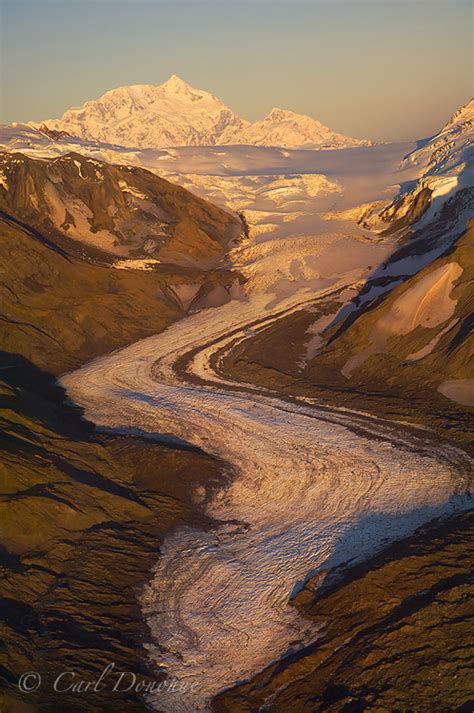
[[382, 69]]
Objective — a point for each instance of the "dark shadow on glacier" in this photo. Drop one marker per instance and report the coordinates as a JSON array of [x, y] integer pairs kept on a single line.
[[360, 535], [164, 439]]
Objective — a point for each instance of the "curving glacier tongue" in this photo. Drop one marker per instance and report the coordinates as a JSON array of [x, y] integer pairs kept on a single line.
[[308, 491]]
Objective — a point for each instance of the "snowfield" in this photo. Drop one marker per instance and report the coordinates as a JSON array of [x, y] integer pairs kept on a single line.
[[282, 192]]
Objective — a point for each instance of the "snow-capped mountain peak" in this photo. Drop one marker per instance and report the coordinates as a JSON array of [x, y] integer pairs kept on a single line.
[[176, 114], [149, 116], [277, 113], [462, 115], [281, 127], [175, 85]]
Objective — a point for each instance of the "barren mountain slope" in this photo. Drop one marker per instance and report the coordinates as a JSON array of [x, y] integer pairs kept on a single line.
[[418, 337], [114, 212]]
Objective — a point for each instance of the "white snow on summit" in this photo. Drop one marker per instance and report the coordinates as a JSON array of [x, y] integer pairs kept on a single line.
[[176, 114], [144, 115], [287, 129], [445, 167]]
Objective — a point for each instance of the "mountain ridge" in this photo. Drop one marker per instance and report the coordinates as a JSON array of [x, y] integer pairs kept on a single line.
[[176, 114], [118, 214]]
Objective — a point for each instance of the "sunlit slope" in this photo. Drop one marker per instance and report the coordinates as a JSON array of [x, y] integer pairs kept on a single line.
[[417, 336], [176, 114], [109, 211]]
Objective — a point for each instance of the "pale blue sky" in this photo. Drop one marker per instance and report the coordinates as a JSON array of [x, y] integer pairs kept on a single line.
[[382, 69]]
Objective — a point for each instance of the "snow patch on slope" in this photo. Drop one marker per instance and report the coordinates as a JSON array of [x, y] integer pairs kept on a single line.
[[427, 304]]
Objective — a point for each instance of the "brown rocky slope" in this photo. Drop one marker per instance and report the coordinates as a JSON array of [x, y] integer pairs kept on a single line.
[[94, 209], [83, 514]]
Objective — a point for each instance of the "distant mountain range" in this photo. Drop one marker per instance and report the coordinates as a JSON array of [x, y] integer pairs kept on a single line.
[[176, 114]]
